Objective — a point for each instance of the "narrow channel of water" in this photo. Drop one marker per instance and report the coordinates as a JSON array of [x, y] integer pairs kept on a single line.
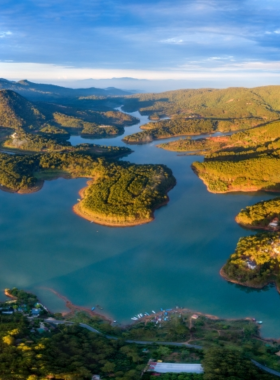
[[172, 261]]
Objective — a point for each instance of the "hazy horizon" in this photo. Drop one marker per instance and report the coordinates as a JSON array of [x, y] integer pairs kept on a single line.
[[203, 43]]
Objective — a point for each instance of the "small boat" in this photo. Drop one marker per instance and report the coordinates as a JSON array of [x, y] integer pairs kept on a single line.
[[153, 312], [141, 315], [93, 308], [78, 199], [260, 322], [134, 319]]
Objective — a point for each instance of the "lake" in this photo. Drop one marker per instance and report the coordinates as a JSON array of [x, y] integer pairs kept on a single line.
[[173, 261]]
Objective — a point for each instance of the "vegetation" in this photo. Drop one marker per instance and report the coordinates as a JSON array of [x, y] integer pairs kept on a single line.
[[230, 103], [35, 349], [187, 126], [260, 173], [125, 194], [51, 130], [21, 173], [93, 130], [35, 143], [50, 119], [85, 127], [258, 140], [260, 214], [220, 364], [170, 128], [16, 111], [22, 297], [206, 331], [121, 192], [255, 261]]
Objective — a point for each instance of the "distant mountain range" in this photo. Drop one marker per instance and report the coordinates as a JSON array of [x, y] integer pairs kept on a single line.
[[45, 92]]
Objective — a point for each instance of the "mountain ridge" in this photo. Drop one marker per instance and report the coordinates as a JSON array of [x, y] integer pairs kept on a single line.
[[41, 91]]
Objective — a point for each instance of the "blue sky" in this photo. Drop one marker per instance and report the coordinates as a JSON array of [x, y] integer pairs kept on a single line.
[[202, 40]]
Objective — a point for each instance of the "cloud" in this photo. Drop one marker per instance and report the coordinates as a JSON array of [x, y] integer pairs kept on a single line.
[[173, 41], [5, 34], [143, 36], [189, 71]]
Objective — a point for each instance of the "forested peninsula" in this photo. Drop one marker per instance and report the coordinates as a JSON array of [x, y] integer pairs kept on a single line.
[[120, 193], [255, 262], [124, 194], [262, 215], [244, 161]]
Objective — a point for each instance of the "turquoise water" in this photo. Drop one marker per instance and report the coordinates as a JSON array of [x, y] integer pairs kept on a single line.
[[173, 261]]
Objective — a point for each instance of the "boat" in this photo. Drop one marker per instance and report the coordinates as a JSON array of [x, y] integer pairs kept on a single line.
[[78, 199], [93, 308], [134, 318], [260, 322], [153, 312]]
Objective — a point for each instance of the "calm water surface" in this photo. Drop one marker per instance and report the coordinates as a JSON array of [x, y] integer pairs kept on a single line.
[[173, 261]]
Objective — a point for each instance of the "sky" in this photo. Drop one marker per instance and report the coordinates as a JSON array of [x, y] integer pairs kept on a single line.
[[224, 42]]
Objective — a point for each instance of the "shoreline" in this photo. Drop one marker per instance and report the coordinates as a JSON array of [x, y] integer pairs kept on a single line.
[[93, 219], [145, 318], [263, 228], [73, 308], [237, 190], [31, 190], [163, 138], [248, 284]]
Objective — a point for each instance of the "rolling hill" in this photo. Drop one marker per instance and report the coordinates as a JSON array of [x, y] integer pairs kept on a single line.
[[16, 111], [230, 103]]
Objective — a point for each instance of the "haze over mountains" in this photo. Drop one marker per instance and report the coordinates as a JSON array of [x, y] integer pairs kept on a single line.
[[39, 91]]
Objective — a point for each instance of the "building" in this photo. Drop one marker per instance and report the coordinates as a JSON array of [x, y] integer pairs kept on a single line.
[[174, 367], [195, 316], [274, 223], [35, 311], [251, 264]]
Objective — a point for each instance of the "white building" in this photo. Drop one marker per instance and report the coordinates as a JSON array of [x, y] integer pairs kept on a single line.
[[174, 367], [251, 264]]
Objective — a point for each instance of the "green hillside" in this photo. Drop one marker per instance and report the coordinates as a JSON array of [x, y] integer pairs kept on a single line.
[[237, 102], [19, 114], [180, 126], [265, 138], [16, 111]]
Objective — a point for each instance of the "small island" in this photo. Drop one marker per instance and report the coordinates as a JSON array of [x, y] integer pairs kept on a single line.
[[255, 262], [123, 194]]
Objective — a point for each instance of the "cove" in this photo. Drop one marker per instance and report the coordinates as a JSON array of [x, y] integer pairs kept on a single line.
[[173, 261]]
